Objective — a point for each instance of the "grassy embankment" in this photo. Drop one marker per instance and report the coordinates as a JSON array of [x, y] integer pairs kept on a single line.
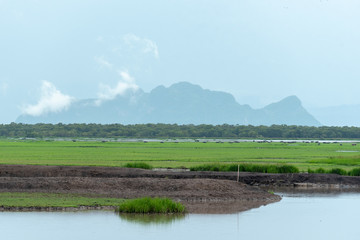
[[304, 156], [54, 200]]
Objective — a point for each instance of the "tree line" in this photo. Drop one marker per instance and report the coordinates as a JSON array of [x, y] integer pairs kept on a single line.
[[19, 130]]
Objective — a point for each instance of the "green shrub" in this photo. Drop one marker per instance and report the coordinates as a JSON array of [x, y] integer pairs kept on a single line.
[[262, 168], [151, 205], [319, 170], [338, 171], [354, 172], [138, 165]]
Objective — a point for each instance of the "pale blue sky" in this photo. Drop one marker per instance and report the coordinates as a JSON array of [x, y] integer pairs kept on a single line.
[[258, 50]]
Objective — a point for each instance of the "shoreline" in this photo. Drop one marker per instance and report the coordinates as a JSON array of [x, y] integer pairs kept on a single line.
[[200, 192]]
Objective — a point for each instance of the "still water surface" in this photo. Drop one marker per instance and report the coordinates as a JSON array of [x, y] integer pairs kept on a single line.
[[295, 217]]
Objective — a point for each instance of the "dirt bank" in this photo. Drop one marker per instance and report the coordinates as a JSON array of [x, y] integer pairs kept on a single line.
[[201, 192], [199, 195], [253, 179]]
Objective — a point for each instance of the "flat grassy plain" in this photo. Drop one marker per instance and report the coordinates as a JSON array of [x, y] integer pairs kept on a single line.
[[16, 199], [183, 154]]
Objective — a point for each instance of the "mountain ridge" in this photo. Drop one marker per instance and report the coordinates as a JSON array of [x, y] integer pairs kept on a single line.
[[181, 103]]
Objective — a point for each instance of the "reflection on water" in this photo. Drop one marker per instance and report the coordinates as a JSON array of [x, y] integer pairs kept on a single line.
[[296, 217], [149, 219]]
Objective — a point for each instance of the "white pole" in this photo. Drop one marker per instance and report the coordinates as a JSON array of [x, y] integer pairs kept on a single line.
[[238, 175]]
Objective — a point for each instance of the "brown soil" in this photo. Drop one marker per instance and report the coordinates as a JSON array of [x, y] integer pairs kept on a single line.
[[201, 192], [199, 195], [253, 179]]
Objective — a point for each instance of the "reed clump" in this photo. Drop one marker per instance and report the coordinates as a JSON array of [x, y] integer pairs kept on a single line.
[[151, 205], [138, 165], [338, 171]]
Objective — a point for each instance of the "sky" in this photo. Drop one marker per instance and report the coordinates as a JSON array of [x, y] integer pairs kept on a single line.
[[261, 51]]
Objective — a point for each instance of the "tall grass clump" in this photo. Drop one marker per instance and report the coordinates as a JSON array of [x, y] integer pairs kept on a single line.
[[138, 165], [354, 172], [261, 168], [338, 171], [319, 170], [151, 205]]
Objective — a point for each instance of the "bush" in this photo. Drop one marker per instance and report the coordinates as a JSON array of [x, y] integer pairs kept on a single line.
[[138, 165], [338, 171], [151, 205], [319, 170], [354, 172], [262, 168]]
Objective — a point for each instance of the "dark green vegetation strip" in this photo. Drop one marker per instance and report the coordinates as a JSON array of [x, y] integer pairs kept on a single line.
[[339, 171], [174, 130], [151, 205], [54, 200], [265, 168]]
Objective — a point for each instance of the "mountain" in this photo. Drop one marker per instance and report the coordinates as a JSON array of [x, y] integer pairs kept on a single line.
[[288, 111], [181, 103]]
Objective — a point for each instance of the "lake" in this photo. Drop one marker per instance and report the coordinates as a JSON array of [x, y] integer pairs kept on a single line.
[[300, 216]]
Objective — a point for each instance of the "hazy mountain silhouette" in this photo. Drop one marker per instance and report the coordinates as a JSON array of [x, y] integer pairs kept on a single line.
[[181, 103]]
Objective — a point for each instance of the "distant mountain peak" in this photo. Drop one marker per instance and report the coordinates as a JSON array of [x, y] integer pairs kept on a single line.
[[185, 84], [291, 100], [287, 104], [180, 103]]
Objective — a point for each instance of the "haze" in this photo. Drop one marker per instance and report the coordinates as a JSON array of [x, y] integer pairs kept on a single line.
[[53, 52]]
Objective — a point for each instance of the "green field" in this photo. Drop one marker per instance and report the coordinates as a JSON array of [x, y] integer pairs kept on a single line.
[[54, 200], [187, 154]]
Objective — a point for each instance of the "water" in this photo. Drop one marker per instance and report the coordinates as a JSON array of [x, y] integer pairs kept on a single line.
[[295, 217]]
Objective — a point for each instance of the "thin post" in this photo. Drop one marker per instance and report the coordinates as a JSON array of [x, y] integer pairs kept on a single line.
[[238, 175]]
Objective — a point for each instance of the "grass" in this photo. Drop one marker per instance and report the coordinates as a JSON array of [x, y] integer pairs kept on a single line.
[[339, 160], [151, 205], [265, 168], [339, 171], [138, 165], [304, 156], [10, 199]]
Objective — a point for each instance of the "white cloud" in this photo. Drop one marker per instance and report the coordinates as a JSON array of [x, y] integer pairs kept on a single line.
[[103, 62], [51, 100], [3, 88], [126, 83], [144, 44]]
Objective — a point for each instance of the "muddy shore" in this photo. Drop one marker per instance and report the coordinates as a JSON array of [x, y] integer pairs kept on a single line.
[[200, 192]]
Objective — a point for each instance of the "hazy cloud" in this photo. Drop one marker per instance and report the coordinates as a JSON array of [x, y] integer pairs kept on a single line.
[[144, 44], [125, 84], [103, 62], [3, 88], [51, 100]]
